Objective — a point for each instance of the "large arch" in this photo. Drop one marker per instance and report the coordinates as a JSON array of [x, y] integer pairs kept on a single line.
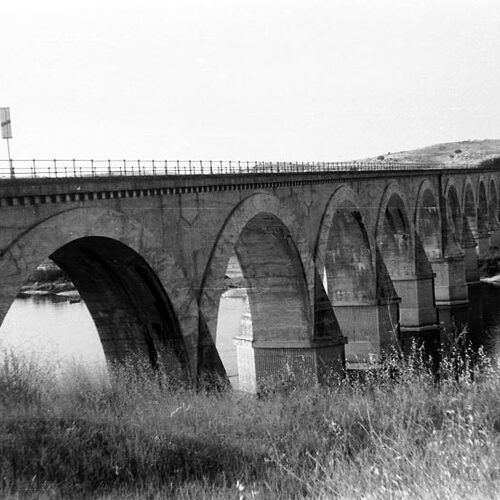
[[137, 294], [278, 329], [261, 203]]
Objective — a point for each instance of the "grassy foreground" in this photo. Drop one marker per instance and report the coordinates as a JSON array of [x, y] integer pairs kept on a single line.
[[394, 433]]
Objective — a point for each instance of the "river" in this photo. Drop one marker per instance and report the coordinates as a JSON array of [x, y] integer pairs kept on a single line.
[[62, 334]]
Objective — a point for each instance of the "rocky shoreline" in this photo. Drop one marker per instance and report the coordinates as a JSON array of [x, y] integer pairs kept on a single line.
[[49, 280]]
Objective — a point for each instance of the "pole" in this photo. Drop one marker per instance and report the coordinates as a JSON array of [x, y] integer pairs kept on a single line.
[[10, 159]]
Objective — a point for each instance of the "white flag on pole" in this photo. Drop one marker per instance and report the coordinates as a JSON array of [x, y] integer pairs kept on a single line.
[[5, 123]]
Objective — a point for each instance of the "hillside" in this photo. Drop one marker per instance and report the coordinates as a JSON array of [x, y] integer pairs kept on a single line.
[[452, 154]]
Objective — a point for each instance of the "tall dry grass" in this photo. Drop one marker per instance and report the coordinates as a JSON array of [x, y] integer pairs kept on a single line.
[[394, 431]]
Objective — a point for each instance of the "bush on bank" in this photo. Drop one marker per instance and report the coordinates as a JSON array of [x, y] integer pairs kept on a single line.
[[394, 431]]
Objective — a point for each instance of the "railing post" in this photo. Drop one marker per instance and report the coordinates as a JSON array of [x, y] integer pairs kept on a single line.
[[201, 166], [220, 164], [74, 167], [109, 167], [125, 167], [55, 167], [154, 167], [211, 170], [190, 168], [92, 170], [33, 171], [166, 168]]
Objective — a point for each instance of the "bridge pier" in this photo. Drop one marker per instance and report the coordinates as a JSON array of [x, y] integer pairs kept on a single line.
[[471, 263], [450, 284], [372, 329], [266, 362], [495, 237], [483, 244]]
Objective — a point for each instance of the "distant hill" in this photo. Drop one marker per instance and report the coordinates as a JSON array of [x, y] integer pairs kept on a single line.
[[452, 154]]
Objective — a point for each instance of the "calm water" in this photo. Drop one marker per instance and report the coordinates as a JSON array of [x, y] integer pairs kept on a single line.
[[63, 334]]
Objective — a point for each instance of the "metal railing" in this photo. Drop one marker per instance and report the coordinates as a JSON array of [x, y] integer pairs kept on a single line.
[[34, 169]]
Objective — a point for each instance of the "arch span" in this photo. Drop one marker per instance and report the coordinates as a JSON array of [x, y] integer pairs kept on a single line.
[[254, 206], [493, 205], [277, 329], [395, 234], [470, 214], [482, 210], [135, 291], [428, 220], [454, 217]]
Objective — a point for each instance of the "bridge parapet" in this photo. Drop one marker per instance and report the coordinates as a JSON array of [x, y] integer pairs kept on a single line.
[[63, 168]]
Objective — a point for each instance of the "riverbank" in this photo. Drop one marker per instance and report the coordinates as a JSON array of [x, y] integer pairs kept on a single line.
[[49, 280], [394, 433]]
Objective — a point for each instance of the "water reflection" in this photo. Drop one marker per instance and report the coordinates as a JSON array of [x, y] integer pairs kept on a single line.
[[59, 333]]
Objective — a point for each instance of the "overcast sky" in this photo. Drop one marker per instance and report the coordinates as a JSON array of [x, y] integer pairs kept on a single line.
[[247, 79]]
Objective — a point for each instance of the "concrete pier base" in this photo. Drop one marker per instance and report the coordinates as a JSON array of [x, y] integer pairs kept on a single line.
[[417, 309], [450, 284], [263, 364], [483, 245], [471, 265], [372, 329]]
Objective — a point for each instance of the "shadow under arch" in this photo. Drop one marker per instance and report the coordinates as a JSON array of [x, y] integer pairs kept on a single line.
[[83, 240], [356, 283]]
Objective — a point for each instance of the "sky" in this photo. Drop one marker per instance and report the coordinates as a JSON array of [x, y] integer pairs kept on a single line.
[[310, 80]]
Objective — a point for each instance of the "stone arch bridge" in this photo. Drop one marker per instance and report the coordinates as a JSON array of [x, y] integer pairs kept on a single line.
[[336, 263]]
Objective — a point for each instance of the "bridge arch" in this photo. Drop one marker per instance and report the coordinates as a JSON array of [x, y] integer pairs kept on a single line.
[[454, 215], [482, 209], [469, 211], [344, 255], [428, 220], [263, 238], [134, 290], [493, 203], [394, 232]]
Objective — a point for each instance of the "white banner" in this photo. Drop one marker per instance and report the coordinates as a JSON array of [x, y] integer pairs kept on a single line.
[[5, 123]]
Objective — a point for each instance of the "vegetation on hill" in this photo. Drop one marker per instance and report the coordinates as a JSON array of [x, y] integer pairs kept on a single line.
[[450, 154]]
